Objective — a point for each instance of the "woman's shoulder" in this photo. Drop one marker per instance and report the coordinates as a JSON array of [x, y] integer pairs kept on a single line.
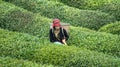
[[51, 30], [62, 29]]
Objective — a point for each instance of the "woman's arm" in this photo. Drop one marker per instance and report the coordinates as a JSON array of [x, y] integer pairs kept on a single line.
[[66, 34], [64, 42], [51, 35]]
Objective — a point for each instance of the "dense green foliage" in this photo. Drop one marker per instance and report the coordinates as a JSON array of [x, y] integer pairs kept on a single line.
[[18, 19], [109, 6], [74, 57], [112, 8], [113, 28], [31, 50], [10, 62], [97, 41], [85, 4], [24, 35], [74, 16], [39, 26], [15, 42]]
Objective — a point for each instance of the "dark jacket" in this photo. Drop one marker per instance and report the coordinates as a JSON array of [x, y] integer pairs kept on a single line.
[[62, 34]]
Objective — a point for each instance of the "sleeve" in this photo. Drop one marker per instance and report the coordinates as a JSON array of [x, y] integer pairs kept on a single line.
[[66, 34], [51, 36]]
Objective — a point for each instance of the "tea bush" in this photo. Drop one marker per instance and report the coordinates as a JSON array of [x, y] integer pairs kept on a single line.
[[113, 28], [18, 42], [65, 56], [33, 50], [39, 26], [73, 57], [85, 4], [74, 16], [18, 19], [112, 8], [109, 6], [10, 62], [102, 42]]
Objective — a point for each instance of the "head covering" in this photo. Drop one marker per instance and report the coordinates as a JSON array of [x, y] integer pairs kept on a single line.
[[56, 22]]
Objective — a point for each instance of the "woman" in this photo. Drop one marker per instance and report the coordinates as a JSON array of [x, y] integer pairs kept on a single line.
[[57, 34]]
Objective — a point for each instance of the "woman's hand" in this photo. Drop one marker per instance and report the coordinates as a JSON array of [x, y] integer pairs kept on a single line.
[[64, 41]]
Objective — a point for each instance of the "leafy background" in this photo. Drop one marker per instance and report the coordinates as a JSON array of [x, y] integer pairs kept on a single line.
[[94, 33]]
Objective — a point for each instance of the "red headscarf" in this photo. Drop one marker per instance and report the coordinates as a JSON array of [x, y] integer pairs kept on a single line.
[[56, 22]]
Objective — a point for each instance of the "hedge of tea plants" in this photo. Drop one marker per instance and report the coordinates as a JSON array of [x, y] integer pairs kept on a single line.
[[32, 49], [11, 62], [85, 4], [113, 28], [18, 19], [13, 41], [73, 57], [39, 26], [109, 6], [112, 8], [102, 42], [74, 16]]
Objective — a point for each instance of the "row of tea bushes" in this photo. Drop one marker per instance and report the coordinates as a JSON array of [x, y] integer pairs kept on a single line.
[[18, 42], [49, 54], [113, 28], [85, 4], [11, 62], [18, 19], [74, 57], [109, 6], [74, 16], [98, 41], [40, 27]]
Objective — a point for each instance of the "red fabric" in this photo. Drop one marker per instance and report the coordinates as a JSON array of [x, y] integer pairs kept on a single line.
[[56, 22]]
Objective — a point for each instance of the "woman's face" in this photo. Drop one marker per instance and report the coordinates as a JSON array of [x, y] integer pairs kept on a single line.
[[57, 27]]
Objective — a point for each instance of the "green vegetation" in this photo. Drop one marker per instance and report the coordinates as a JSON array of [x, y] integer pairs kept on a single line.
[[112, 8], [109, 6], [85, 4], [10, 62], [113, 28], [39, 26], [74, 16], [102, 42], [30, 49], [18, 19], [17, 43], [73, 57], [24, 31]]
